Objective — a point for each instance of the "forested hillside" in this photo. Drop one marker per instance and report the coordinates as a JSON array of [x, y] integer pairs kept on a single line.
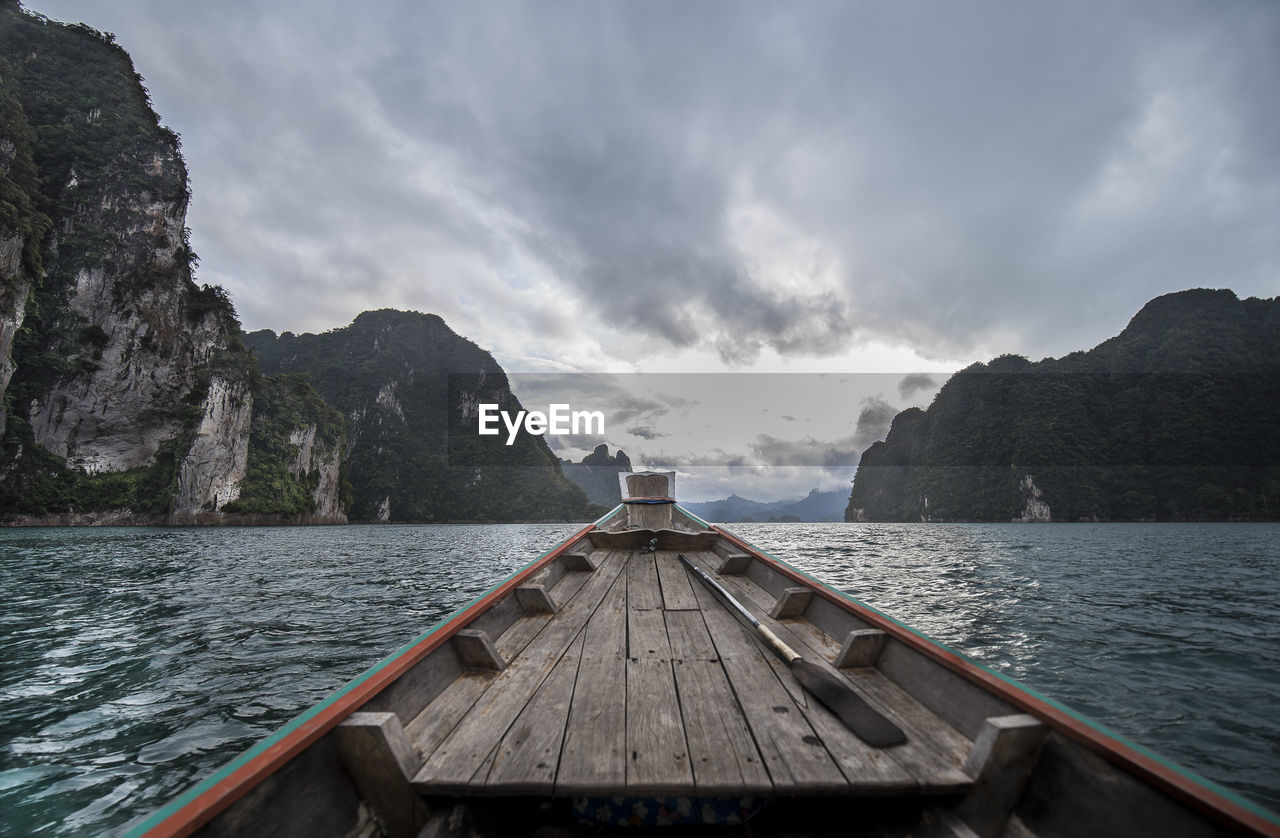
[[1173, 419]]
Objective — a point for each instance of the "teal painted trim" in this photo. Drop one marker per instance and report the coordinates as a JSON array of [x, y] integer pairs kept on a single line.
[[1230, 795], [696, 518], [600, 520], [173, 806]]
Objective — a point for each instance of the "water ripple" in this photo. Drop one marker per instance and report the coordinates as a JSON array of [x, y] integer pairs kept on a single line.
[[1167, 633], [137, 661]]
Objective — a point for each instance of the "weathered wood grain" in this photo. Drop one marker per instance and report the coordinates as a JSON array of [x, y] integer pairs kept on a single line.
[[722, 753], [477, 651], [517, 636], [529, 754], [380, 760], [430, 727], [657, 753], [793, 754], [677, 595], [734, 563], [791, 604], [593, 760], [934, 751], [534, 599], [689, 638], [643, 589], [1002, 759], [861, 647], [483, 727]]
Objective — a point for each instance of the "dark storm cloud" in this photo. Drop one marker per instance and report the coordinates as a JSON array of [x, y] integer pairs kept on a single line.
[[840, 454], [645, 432], [874, 420], [738, 177], [916, 383]]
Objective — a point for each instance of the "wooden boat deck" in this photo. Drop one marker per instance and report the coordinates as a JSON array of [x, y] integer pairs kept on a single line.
[[645, 684], [600, 671]]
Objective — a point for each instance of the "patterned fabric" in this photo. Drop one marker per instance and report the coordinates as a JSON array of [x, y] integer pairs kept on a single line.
[[665, 811]]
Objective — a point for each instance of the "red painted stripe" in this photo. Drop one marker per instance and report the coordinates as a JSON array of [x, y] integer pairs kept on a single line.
[[1177, 785], [235, 785]]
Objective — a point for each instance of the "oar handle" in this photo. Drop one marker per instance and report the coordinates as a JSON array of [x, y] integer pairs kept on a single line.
[[775, 643]]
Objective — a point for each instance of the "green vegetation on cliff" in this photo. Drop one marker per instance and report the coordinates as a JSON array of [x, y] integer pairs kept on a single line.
[[407, 385], [284, 405], [1173, 419], [118, 346]]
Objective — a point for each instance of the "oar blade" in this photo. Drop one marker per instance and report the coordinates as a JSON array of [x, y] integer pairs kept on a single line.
[[867, 723]]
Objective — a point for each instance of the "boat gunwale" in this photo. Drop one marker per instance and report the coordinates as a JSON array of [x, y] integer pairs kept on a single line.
[[1201, 793], [207, 799], [203, 802]]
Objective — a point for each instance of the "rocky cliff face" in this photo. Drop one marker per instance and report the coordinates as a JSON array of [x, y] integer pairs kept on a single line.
[[129, 385], [1173, 419], [408, 387], [597, 474], [210, 475], [23, 225], [325, 462]]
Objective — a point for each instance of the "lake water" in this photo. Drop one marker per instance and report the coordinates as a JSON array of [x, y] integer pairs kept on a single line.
[[137, 661]]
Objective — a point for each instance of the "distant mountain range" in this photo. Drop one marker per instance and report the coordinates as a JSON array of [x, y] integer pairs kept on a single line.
[[597, 475], [816, 507]]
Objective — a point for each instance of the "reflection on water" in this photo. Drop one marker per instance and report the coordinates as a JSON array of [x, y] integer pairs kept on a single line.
[[136, 661]]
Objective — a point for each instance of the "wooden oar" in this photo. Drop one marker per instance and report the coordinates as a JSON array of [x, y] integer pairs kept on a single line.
[[864, 720]]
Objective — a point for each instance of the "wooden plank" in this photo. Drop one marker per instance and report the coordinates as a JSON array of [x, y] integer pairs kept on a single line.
[[380, 760], [527, 759], [420, 685], [430, 727], [593, 760], [723, 755], [643, 589], [958, 700], [869, 770], [657, 754], [934, 752], [578, 561], [534, 599], [483, 727], [677, 594], [793, 754], [1002, 759], [791, 604], [689, 638], [568, 585], [861, 648], [515, 638], [734, 563], [477, 651], [647, 636]]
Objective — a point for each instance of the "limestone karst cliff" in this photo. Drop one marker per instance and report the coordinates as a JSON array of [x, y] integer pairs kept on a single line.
[[597, 474], [1172, 419], [125, 384], [408, 387]]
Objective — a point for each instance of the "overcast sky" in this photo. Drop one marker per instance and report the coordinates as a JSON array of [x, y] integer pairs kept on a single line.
[[840, 187]]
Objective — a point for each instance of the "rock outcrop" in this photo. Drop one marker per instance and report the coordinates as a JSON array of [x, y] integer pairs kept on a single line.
[[597, 474], [215, 465], [408, 387], [129, 389], [1173, 419]]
